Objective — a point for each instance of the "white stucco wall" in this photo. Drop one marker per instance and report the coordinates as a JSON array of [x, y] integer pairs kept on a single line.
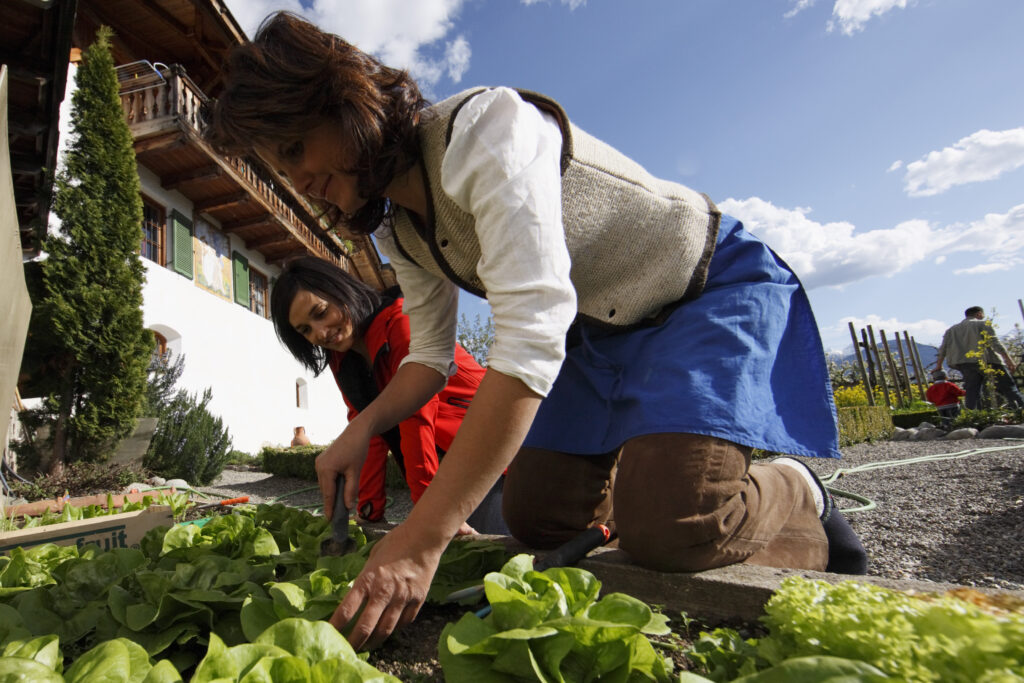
[[227, 347], [235, 352]]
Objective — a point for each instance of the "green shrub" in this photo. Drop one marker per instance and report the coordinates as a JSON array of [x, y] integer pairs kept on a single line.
[[910, 420], [979, 419], [236, 457], [297, 461], [863, 423], [80, 479], [300, 462], [189, 443]]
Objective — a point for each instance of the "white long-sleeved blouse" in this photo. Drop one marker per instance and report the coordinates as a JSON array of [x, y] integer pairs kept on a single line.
[[502, 167]]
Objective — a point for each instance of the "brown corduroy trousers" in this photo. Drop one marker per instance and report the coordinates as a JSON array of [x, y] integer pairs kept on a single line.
[[679, 502]]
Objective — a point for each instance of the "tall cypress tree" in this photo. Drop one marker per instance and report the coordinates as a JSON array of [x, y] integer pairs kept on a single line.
[[91, 307]]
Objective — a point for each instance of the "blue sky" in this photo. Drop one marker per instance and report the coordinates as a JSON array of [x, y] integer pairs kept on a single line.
[[877, 145]]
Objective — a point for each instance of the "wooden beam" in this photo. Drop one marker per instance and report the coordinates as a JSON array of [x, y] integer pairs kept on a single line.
[[268, 240], [168, 18], [207, 172], [27, 128], [255, 221], [221, 202], [161, 142], [23, 67], [280, 260], [30, 164], [123, 41]]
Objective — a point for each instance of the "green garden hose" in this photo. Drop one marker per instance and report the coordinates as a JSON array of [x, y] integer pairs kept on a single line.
[[317, 507], [868, 504]]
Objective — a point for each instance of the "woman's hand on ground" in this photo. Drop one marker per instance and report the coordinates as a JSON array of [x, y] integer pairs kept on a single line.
[[390, 590]]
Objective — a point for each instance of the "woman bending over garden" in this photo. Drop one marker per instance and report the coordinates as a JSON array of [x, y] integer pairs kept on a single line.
[[329, 319], [644, 343]]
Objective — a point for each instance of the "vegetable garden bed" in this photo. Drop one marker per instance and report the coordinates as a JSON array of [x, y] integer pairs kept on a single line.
[[244, 598]]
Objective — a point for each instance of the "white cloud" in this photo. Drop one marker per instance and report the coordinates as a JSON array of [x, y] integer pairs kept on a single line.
[[571, 4], [398, 32], [798, 6], [984, 155], [927, 331], [457, 56], [985, 268], [831, 254], [896, 165], [850, 16], [836, 254]]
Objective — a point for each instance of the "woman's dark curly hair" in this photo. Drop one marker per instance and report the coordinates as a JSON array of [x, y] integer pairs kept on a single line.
[[358, 300], [292, 78]]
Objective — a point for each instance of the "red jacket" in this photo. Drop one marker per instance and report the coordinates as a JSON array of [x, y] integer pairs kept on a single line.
[[944, 393], [430, 428]]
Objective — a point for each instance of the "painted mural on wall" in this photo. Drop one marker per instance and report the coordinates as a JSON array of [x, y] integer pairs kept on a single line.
[[212, 260]]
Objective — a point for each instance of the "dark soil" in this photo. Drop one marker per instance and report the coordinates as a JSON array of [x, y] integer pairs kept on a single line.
[[411, 654]]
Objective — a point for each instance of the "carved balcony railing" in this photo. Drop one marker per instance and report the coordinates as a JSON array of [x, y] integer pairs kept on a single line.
[[167, 116]]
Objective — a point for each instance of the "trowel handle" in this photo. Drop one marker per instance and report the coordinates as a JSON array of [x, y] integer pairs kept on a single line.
[[339, 522], [573, 551]]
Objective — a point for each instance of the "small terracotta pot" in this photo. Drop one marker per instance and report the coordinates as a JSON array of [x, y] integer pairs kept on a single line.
[[300, 438]]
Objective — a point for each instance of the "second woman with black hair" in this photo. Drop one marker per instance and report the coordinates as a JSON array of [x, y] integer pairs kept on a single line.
[[329, 319]]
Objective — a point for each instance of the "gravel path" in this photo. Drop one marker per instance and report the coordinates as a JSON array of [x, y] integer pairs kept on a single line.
[[957, 520]]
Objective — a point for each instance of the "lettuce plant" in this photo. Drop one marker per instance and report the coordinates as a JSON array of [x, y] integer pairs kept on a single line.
[[822, 632], [551, 626]]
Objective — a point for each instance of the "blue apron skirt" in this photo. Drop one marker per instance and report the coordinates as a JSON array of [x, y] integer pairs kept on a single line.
[[741, 362]]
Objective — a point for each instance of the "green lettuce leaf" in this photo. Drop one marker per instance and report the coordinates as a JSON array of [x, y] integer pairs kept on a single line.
[[20, 669], [115, 661]]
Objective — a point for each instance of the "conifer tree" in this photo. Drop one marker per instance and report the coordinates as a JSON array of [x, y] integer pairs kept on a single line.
[[90, 314]]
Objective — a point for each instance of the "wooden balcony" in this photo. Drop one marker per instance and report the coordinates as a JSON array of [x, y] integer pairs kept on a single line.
[[244, 198]]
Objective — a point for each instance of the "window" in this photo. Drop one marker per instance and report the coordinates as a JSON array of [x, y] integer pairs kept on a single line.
[[181, 244], [258, 293], [152, 232], [160, 343]]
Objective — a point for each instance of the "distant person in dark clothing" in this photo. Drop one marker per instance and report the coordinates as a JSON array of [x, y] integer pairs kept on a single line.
[[945, 396], [962, 347]]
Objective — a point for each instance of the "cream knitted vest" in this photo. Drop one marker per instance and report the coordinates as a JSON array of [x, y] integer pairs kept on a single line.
[[637, 243]]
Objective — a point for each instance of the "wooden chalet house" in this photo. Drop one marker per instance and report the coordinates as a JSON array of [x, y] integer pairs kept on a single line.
[[216, 230]]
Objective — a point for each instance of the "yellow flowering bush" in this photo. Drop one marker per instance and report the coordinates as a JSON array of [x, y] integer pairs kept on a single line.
[[847, 397]]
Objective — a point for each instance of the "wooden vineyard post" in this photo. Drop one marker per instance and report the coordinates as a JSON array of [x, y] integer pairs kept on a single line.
[[916, 362], [913, 364], [917, 354], [880, 374], [860, 364], [872, 375], [903, 373], [896, 379]]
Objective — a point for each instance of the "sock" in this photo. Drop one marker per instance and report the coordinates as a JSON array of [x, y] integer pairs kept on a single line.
[[846, 555]]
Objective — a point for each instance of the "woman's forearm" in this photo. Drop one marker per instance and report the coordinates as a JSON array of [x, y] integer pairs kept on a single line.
[[491, 433], [412, 386]]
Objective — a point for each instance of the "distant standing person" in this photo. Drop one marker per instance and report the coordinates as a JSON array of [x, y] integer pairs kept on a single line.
[[965, 338]]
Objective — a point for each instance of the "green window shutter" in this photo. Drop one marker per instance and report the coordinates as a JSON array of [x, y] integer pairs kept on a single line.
[[181, 244], [240, 269]]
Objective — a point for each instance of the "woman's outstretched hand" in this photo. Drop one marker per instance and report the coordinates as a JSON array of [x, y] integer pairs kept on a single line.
[[390, 589]]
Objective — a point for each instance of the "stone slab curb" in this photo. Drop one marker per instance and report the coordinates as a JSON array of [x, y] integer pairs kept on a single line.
[[727, 594], [736, 593]]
